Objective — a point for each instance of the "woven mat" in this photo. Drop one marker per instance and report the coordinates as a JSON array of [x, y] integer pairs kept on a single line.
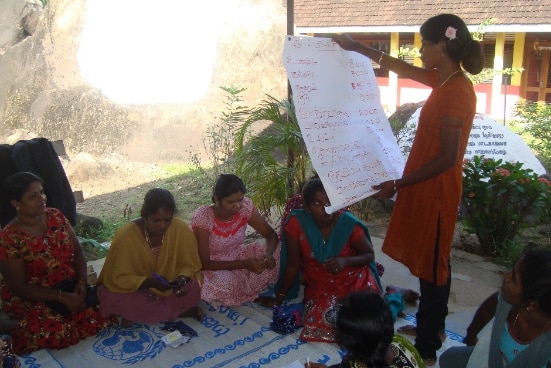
[[233, 337]]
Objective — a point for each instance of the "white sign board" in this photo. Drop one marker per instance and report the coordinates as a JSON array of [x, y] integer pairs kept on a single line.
[[341, 118], [494, 140]]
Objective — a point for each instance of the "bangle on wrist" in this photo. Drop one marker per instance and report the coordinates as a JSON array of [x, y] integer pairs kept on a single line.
[[396, 190], [282, 295], [82, 282], [59, 295], [381, 58]]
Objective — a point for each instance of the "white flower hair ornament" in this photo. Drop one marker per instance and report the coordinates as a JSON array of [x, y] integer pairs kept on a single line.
[[451, 32]]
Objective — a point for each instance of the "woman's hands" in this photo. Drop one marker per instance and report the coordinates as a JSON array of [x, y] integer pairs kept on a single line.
[[75, 301], [335, 265], [269, 260], [387, 189], [256, 265], [180, 285], [470, 340]]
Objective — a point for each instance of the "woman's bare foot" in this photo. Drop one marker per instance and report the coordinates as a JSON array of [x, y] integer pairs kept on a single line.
[[410, 296], [194, 312], [125, 323]]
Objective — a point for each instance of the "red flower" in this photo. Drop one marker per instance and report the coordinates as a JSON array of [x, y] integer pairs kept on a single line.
[[503, 172]]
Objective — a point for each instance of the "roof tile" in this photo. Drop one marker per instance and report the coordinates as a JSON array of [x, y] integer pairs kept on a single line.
[[324, 13]]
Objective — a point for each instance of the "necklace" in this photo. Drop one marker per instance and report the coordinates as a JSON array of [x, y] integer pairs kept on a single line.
[[541, 333], [324, 240], [148, 240], [450, 76], [40, 233], [29, 230]]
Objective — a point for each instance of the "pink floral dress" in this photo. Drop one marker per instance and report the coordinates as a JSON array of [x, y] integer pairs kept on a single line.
[[227, 243]]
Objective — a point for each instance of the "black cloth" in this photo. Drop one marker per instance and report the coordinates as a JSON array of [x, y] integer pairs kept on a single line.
[[432, 310], [7, 167], [431, 316], [39, 157]]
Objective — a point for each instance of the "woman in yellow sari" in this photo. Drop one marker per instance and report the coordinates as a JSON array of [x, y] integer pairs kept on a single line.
[[152, 271]]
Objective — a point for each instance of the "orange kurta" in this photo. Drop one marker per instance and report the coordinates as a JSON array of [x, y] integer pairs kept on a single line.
[[423, 220]]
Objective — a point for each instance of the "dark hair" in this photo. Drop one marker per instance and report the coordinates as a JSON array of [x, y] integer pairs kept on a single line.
[[463, 48], [365, 327], [17, 184], [535, 275], [226, 185], [310, 189], [155, 199]]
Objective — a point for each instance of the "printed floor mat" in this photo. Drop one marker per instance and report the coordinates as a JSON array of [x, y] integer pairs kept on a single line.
[[232, 337]]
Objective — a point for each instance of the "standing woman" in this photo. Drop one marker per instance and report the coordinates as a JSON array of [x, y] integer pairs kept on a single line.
[[422, 224], [234, 271], [38, 251]]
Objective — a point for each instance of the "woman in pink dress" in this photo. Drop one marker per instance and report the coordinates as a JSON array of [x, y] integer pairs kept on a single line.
[[234, 272]]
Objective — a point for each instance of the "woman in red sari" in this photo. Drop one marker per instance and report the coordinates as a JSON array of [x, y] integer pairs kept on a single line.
[[335, 255], [38, 249]]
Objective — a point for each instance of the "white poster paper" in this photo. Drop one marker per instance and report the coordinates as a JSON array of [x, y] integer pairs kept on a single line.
[[341, 118]]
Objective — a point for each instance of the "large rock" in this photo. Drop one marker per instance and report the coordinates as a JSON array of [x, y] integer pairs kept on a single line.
[[43, 89], [18, 19]]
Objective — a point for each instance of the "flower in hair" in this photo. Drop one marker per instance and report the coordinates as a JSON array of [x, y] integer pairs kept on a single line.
[[450, 32]]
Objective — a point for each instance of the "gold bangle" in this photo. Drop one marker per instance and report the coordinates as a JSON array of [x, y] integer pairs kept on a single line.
[[381, 58], [82, 282], [59, 295], [281, 294]]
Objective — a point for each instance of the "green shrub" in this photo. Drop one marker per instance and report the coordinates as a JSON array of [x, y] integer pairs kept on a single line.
[[536, 119], [499, 198]]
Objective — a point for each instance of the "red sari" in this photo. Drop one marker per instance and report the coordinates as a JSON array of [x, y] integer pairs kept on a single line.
[[48, 260], [323, 290]]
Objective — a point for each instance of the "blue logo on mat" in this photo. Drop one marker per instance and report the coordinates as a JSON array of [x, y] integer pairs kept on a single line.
[[130, 345]]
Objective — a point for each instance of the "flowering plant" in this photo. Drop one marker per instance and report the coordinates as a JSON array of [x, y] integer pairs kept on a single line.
[[499, 197], [451, 32]]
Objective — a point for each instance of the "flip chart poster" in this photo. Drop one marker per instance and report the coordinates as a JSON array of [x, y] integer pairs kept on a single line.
[[342, 121]]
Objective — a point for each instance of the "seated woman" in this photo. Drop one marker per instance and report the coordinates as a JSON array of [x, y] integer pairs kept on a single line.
[[38, 252], [520, 335], [152, 270], [296, 202], [234, 272], [336, 257], [365, 330]]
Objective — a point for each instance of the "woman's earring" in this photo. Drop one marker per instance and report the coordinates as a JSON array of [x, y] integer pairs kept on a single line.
[[17, 209]]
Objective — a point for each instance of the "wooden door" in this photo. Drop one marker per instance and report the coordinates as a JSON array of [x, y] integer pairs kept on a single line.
[[537, 81]]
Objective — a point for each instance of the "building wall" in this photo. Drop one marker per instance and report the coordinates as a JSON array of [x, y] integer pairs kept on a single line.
[[488, 103]]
